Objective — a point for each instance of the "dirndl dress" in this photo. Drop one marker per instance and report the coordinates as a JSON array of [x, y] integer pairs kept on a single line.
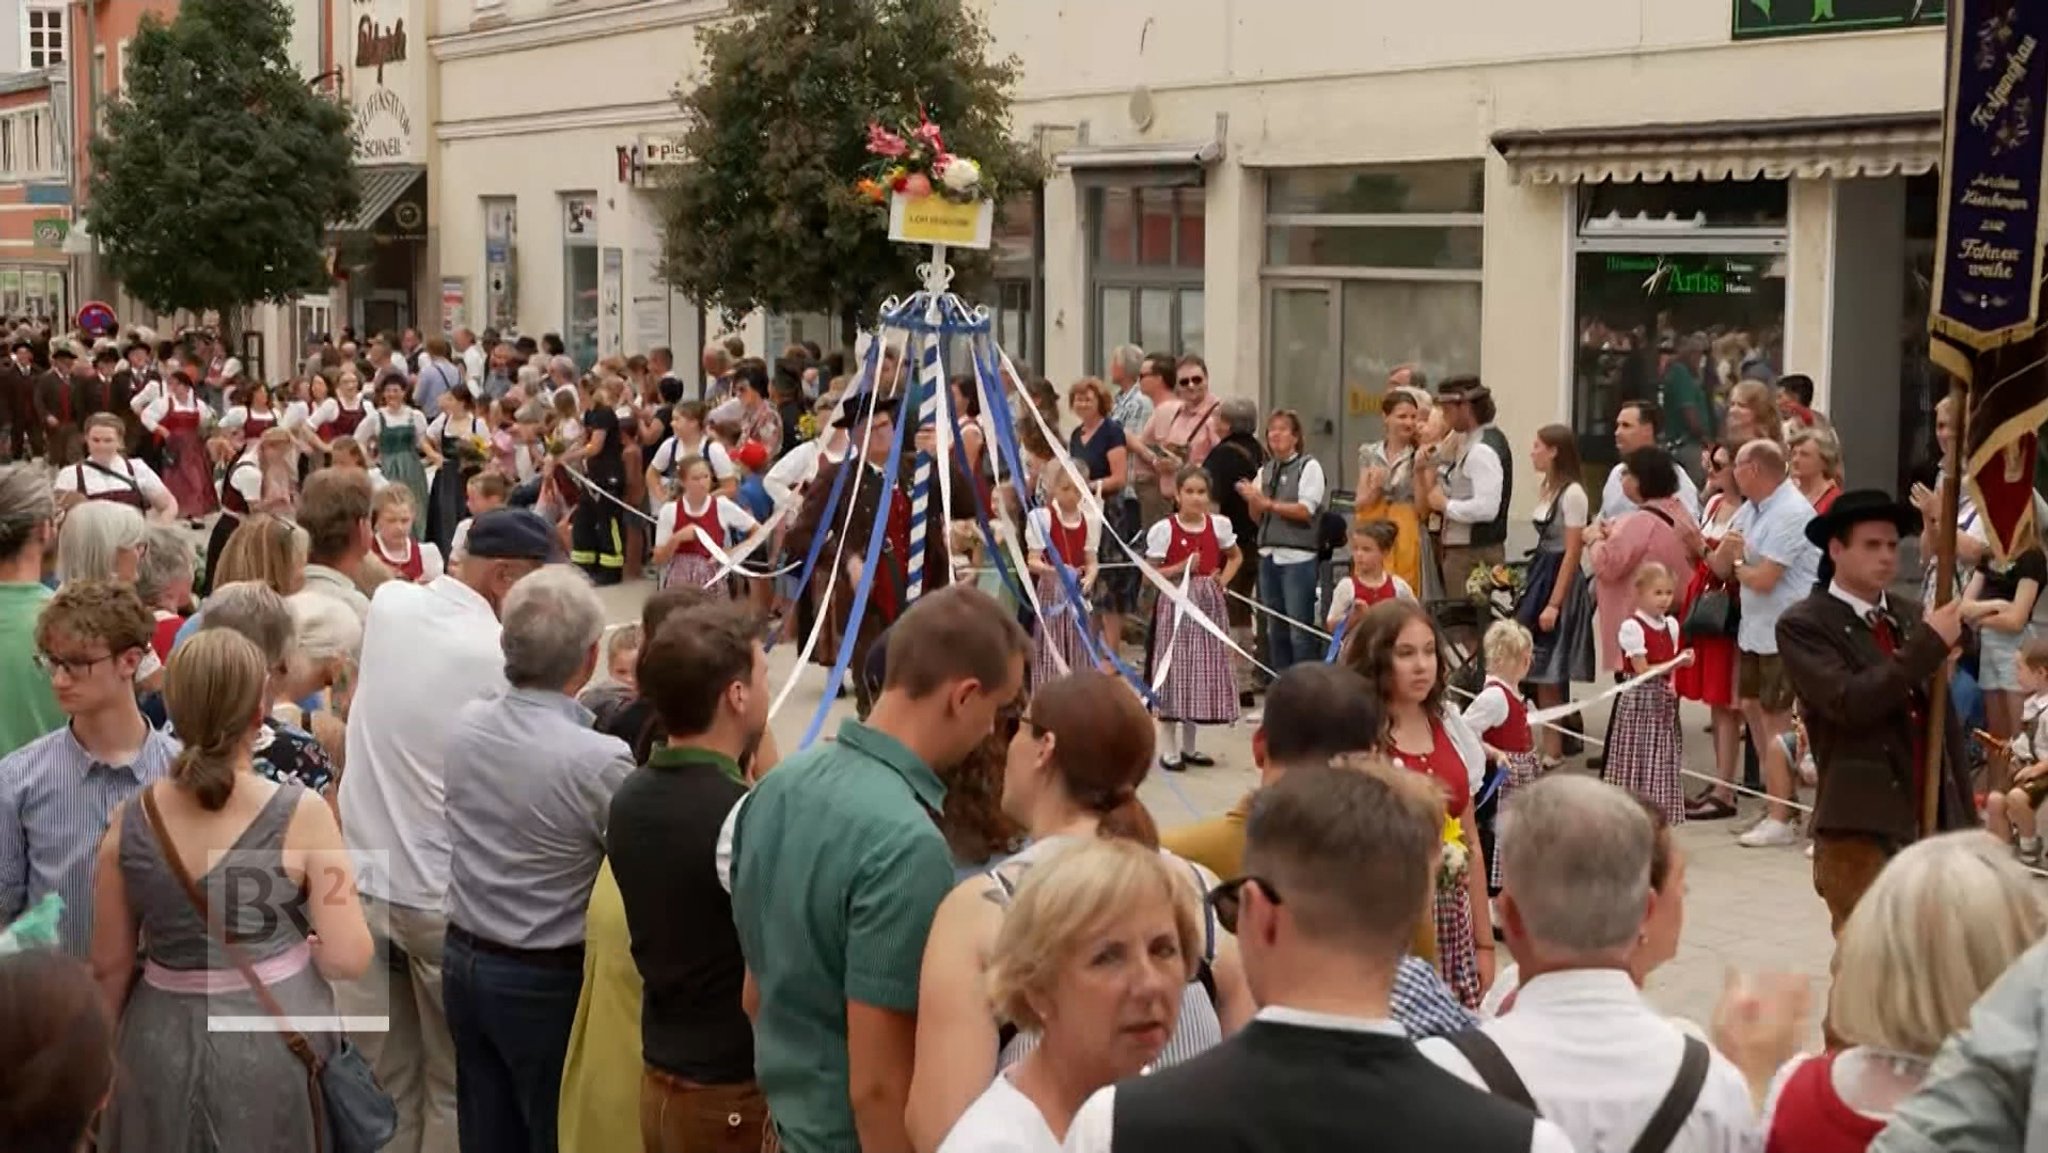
[[692, 565], [398, 457], [188, 473], [1063, 631], [1710, 679], [448, 501], [1565, 653], [1412, 559], [1645, 746], [1457, 958], [1200, 686]]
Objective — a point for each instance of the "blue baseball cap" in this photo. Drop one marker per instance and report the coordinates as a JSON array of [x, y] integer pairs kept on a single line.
[[513, 534]]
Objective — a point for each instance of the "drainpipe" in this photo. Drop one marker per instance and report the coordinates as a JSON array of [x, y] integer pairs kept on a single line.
[[81, 152]]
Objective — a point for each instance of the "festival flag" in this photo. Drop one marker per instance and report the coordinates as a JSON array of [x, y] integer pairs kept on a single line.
[[1987, 272]]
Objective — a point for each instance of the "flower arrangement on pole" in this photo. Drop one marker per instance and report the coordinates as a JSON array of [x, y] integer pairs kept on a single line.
[[913, 161]]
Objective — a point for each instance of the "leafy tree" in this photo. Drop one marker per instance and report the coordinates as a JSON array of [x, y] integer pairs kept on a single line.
[[220, 167], [764, 214]]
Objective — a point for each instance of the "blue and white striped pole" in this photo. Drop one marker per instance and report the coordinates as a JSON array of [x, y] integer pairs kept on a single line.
[[932, 384]]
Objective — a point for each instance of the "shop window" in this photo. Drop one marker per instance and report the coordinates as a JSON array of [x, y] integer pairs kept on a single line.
[[1019, 270], [1147, 249], [579, 277], [1679, 294], [501, 262], [1368, 270]]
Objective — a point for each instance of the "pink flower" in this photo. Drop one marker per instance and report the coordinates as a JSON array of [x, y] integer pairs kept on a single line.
[[882, 142], [928, 132]]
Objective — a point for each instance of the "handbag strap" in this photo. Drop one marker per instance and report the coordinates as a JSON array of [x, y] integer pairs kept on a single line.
[[293, 1039]]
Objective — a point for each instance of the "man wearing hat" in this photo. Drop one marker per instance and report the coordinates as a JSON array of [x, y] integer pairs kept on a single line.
[[18, 391], [56, 415], [1478, 484], [879, 490], [428, 650], [1862, 662], [94, 391]]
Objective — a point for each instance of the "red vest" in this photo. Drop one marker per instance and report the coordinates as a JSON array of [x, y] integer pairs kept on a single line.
[[127, 494], [1199, 543], [258, 424], [411, 569], [708, 525], [1364, 596], [1657, 643], [1445, 765], [345, 420], [1511, 735], [1812, 1118], [1070, 543], [231, 498]]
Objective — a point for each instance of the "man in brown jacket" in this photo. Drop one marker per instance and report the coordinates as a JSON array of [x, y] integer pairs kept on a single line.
[[1862, 663]]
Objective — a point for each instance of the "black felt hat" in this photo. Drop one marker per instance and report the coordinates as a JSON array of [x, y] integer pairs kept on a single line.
[[855, 410], [1854, 508]]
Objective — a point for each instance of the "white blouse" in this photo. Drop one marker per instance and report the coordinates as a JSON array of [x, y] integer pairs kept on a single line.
[[1572, 504], [153, 416], [438, 427], [1001, 1120], [731, 517], [1160, 538], [330, 410], [373, 425], [96, 482], [1038, 531]]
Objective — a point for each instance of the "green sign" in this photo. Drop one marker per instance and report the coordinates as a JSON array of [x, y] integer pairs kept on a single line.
[[50, 232], [1755, 19], [1690, 275]]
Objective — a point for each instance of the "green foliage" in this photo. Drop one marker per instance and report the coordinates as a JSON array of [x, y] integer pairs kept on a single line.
[[220, 168], [765, 214]]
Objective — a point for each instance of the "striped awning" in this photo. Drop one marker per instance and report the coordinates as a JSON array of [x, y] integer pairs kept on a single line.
[[1843, 146], [382, 187]]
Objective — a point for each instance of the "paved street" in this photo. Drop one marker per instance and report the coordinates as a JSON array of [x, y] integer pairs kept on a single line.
[[1753, 909]]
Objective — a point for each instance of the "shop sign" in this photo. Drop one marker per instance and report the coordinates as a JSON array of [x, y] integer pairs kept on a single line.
[[454, 304], [1756, 19], [1987, 283], [1689, 275], [579, 219], [661, 151], [385, 84], [50, 232]]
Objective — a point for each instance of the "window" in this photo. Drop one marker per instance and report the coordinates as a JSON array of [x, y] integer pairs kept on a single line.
[[579, 276], [1368, 270], [1019, 269], [1146, 247], [42, 37], [97, 84], [1679, 294]]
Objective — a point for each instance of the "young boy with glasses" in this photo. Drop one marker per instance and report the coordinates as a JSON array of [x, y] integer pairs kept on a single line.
[[57, 792]]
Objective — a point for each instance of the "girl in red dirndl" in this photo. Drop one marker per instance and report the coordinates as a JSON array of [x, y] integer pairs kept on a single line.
[[178, 420], [684, 524], [1501, 717], [1062, 528], [1199, 688], [1645, 746]]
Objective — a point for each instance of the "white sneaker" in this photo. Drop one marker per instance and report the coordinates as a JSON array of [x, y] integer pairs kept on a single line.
[[1769, 834]]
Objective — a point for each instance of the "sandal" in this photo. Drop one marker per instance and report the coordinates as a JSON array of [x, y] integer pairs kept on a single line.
[[1708, 808]]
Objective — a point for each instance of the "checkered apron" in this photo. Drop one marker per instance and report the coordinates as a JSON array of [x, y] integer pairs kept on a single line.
[[1060, 632], [1457, 960], [1199, 686], [689, 568], [1646, 747], [1521, 769]]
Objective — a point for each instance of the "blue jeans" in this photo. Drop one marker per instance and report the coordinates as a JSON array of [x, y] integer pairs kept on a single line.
[[510, 1019], [1289, 589]]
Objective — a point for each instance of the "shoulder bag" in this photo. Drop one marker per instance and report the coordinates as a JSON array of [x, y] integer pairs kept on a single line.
[[351, 1112]]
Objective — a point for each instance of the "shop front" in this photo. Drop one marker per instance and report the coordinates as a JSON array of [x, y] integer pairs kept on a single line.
[[384, 253]]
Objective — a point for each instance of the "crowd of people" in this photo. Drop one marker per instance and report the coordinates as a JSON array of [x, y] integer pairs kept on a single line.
[[372, 755]]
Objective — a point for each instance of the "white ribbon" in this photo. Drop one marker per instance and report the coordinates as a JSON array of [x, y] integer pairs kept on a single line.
[[1180, 610]]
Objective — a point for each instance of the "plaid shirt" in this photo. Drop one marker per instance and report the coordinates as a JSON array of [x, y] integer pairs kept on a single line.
[[1423, 1004], [1130, 410]]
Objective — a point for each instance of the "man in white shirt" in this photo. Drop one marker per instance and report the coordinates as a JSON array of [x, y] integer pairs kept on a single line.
[[428, 650], [1474, 495], [1635, 426], [473, 358], [1337, 869], [1580, 1042]]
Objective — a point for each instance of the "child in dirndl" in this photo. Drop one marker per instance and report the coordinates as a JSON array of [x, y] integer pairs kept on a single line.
[[1198, 688], [1063, 529], [1645, 747], [1370, 582], [1501, 718], [684, 525]]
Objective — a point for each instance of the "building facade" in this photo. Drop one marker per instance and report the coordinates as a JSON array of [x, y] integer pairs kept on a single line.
[[35, 194], [1475, 186]]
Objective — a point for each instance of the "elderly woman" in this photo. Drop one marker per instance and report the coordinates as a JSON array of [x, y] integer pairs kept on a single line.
[[1816, 466], [164, 582], [328, 637], [284, 751], [1657, 529], [1098, 943], [1943, 921], [1387, 479], [1075, 763], [101, 540]]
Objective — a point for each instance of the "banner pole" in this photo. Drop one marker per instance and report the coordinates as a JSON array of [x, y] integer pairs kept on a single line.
[[1944, 592]]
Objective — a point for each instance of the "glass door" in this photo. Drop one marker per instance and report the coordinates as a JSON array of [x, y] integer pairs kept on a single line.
[[1301, 371]]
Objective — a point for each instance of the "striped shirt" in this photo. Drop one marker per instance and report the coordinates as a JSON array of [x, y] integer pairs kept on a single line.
[[55, 801]]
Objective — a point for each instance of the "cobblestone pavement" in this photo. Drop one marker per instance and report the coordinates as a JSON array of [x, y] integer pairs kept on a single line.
[[1748, 909]]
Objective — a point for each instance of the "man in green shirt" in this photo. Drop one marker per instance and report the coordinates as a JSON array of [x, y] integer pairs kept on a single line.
[[28, 530], [838, 867]]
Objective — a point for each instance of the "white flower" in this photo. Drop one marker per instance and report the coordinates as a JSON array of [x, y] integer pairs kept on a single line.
[[962, 175]]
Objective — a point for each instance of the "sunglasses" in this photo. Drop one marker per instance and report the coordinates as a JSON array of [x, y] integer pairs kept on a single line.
[[1226, 899], [1191, 382]]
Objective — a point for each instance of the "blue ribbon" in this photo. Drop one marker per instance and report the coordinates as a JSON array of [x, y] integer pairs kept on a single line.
[[983, 513], [869, 370], [1336, 648], [877, 536], [955, 319]]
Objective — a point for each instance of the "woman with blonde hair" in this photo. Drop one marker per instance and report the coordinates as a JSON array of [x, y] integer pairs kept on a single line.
[[101, 540], [259, 482], [189, 1087], [1815, 463], [1942, 922], [1099, 941], [1752, 415], [267, 549]]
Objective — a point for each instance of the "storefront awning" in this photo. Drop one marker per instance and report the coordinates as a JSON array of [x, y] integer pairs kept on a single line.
[[1839, 146], [382, 187], [1193, 154]]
